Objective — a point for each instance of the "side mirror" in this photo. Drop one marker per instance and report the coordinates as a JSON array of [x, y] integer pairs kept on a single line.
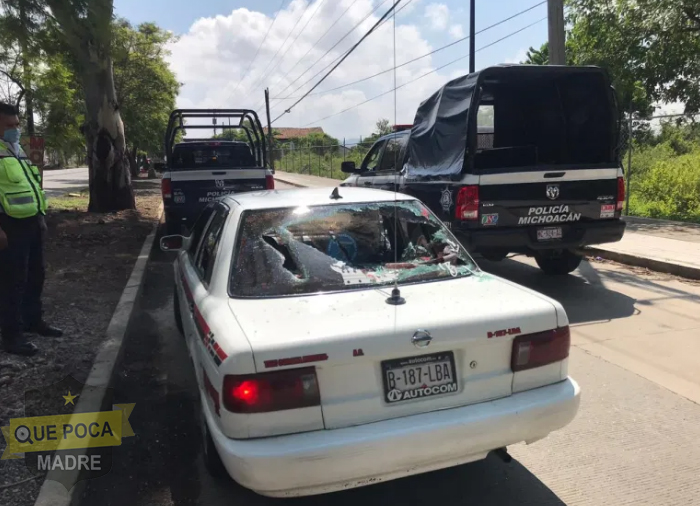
[[348, 167], [171, 242]]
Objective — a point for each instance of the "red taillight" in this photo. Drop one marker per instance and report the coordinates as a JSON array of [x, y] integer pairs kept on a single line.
[[165, 188], [620, 193], [542, 348], [271, 391], [270, 182], [467, 203]]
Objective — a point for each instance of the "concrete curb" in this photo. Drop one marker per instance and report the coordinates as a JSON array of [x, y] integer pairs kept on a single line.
[[53, 493], [682, 270], [286, 181]]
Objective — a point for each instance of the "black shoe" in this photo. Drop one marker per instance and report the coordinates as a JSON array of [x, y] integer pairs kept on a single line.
[[45, 330], [19, 346]]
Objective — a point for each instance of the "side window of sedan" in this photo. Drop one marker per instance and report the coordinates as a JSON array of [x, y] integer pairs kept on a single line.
[[206, 256]]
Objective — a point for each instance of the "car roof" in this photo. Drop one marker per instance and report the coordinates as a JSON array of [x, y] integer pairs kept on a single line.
[[274, 199]]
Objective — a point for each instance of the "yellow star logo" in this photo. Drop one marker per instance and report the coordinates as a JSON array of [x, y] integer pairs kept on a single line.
[[70, 399]]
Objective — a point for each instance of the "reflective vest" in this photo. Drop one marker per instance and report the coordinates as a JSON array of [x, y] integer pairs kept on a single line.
[[21, 195]]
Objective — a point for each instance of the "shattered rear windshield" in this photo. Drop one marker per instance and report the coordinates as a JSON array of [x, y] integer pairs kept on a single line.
[[305, 250]]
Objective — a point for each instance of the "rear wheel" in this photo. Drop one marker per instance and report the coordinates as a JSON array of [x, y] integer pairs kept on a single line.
[[494, 255], [557, 262], [176, 309], [212, 461]]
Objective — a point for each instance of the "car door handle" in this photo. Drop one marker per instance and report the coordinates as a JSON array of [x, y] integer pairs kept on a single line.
[[367, 183], [218, 173], [554, 174]]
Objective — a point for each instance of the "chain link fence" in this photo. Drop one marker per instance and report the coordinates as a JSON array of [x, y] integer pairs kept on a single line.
[[318, 160]]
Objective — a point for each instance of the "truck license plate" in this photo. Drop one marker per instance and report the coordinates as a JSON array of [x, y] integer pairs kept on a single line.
[[549, 234], [419, 377]]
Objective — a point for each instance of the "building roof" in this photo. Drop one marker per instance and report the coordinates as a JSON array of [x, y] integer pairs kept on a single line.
[[291, 133]]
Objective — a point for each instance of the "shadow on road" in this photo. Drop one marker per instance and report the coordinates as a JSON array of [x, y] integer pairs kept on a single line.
[[584, 296], [162, 464]]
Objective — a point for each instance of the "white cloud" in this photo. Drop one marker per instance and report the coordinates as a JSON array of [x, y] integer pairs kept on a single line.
[[212, 57], [439, 16], [520, 56], [456, 31]]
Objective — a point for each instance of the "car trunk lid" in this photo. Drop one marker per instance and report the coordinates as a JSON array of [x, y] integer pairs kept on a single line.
[[355, 339]]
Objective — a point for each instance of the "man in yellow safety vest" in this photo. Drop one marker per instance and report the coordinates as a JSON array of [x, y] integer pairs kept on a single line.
[[22, 227]]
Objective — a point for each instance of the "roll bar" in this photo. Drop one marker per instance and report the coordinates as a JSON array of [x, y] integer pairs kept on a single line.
[[255, 134]]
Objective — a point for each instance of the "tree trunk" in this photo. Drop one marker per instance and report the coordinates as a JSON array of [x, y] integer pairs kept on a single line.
[[110, 178], [133, 163]]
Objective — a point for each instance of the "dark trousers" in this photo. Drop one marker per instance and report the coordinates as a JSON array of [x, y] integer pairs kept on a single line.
[[22, 271]]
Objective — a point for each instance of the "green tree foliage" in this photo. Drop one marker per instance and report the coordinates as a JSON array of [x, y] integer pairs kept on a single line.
[[651, 48], [146, 87]]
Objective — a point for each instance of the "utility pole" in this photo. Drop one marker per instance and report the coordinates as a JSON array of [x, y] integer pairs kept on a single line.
[[270, 137], [557, 37], [472, 36]]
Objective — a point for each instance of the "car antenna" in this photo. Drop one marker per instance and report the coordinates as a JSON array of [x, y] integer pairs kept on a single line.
[[395, 299], [335, 195]]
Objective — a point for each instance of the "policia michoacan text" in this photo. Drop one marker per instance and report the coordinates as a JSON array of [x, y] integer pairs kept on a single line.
[[22, 228]]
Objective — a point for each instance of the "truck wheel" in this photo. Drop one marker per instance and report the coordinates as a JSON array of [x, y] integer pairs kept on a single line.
[[172, 226], [494, 255], [178, 315], [557, 262]]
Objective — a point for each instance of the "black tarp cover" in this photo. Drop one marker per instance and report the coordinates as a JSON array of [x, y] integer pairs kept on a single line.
[[438, 142]]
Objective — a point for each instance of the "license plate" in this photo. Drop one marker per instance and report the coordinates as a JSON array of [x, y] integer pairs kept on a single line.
[[420, 377], [549, 234]]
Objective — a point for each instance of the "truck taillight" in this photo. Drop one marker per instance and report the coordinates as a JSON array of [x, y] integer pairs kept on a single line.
[[270, 182], [620, 193], [271, 391], [165, 188], [467, 203], [542, 348]]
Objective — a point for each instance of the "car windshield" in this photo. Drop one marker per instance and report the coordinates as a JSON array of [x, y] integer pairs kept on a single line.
[[223, 156], [305, 250]]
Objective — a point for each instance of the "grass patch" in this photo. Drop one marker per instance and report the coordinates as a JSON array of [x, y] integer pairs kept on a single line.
[[73, 201]]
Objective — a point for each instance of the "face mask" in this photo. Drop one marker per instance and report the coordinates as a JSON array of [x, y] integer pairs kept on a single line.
[[12, 135]]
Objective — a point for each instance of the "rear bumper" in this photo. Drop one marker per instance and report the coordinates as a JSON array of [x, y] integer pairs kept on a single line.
[[524, 239], [330, 460]]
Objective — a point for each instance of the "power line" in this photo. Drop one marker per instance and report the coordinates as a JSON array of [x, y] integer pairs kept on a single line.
[[397, 12], [427, 73], [265, 72], [419, 57], [331, 49], [348, 53], [245, 74], [317, 41]]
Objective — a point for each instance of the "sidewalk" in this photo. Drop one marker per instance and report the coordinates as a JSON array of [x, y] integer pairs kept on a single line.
[[305, 181], [664, 246]]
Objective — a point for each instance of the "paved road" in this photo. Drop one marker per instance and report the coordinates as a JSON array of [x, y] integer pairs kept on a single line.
[[633, 442], [58, 182]]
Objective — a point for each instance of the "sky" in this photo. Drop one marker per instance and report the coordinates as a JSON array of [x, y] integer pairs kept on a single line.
[[229, 51]]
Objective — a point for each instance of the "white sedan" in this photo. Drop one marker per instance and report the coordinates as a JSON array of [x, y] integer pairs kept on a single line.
[[345, 338]]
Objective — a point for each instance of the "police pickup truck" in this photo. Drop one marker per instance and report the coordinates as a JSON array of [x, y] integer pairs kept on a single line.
[[198, 171], [514, 159]]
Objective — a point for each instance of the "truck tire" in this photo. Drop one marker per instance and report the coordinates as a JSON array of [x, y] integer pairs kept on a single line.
[[172, 226], [494, 255], [558, 262], [177, 314]]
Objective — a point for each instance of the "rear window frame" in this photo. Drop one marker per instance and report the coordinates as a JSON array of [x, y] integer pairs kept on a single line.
[[237, 244], [199, 146]]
